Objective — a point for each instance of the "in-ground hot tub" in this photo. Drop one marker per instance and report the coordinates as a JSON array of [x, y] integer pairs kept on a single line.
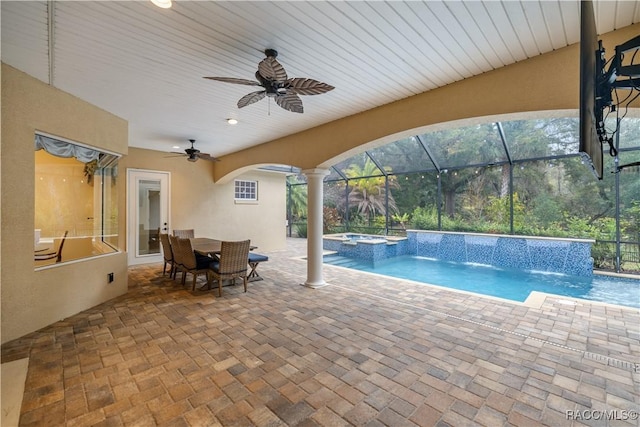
[[365, 247]]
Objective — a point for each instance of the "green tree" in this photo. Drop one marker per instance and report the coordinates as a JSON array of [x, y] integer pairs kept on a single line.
[[456, 148], [499, 211], [546, 210], [368, 192], [297, 198], [630, 223], [415, 171]]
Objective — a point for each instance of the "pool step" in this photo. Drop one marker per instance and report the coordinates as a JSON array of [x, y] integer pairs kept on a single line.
[[341, 261]]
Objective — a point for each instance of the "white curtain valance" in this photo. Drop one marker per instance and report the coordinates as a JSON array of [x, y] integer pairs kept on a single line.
[[65, 149]]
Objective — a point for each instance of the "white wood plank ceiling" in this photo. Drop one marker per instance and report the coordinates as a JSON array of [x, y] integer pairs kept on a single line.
[[147, 64]]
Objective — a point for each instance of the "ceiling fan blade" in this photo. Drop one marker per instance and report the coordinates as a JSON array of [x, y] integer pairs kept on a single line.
[[235, 81], [290, 101], [303, 86], [270, 69], [205, 156], [251, 98]]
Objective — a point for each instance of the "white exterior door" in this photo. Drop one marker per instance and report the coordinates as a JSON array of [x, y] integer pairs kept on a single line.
[[148, 210]]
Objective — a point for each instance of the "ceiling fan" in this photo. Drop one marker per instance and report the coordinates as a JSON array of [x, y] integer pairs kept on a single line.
[[193, 154], [275, 83]]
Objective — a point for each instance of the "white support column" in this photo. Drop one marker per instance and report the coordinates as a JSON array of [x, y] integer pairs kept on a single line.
[[315, 179]]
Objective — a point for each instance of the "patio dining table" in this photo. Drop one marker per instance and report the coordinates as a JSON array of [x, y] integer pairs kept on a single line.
[[208, 246], [205, 245]]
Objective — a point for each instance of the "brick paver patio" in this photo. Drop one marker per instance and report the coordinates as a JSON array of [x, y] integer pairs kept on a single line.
[[365, 350]]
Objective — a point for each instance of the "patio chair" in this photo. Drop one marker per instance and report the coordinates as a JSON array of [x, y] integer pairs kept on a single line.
[[51, 255], [232, 263], [177, 256], [192, 263], [166, 253], [185, 233]]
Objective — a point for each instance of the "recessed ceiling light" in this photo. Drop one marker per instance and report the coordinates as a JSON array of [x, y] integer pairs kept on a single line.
[[176, 147], [165, 4], [232, 121]]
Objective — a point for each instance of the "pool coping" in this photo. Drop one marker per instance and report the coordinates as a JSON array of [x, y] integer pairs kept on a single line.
[[617, 275]]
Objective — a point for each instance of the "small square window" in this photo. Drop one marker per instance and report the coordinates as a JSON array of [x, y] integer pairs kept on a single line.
[[246, 190]]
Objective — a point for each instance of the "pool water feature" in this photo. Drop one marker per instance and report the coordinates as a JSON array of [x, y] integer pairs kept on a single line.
[[552, 255], [507, 283]]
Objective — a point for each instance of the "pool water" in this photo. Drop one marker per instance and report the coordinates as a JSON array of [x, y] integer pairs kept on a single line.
[[514, 285], [364, 237]]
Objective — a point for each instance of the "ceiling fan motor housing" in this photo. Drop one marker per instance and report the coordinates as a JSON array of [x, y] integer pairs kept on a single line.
[[271, 87]]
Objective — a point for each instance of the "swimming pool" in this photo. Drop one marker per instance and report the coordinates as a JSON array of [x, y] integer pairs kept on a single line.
[[515, 285]]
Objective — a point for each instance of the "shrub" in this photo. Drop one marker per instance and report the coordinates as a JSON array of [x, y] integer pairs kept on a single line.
[[424, 219], [331, 220], [301, 230]]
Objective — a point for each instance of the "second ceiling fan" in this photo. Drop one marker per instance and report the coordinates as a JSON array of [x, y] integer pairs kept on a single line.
[[193, 154], [275, 83]]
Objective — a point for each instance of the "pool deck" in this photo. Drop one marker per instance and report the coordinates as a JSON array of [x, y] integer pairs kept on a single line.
[[363, 350]]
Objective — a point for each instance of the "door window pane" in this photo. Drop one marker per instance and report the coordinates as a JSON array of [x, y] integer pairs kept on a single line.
[[148, 217]]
